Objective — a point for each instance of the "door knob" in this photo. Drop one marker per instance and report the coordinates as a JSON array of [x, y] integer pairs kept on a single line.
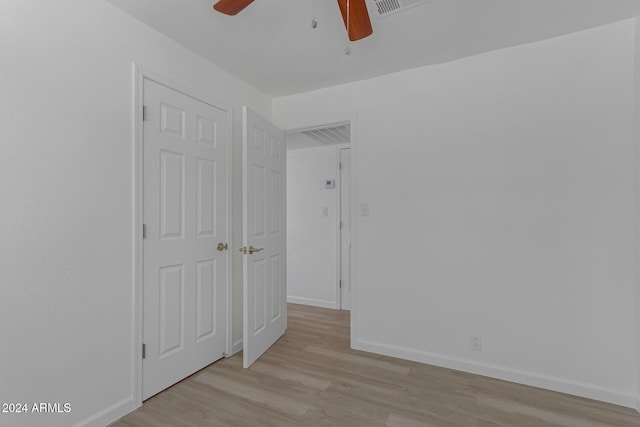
[[251, 250], [222, 246]]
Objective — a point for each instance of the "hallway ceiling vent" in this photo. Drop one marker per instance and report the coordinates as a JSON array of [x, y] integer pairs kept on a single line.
[[389, 7], [333, 135]]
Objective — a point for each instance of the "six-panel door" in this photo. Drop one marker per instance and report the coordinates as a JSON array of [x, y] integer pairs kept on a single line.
[[265, 293], [185, 197]]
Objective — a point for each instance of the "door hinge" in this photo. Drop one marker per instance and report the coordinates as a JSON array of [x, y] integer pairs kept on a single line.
[[340, 166], [144, 113], [341, 224], [340, 284], [144, 231], [144, 351]]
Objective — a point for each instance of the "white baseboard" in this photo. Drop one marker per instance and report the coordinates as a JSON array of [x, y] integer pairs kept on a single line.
[[313, 302], [236, 347], [561, 385], [109, 415]]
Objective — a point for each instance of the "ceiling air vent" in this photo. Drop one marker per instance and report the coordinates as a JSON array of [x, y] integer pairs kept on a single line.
[[337, 134], [389, 7]]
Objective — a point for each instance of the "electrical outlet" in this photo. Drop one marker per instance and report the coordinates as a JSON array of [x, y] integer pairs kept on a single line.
[[476, 343]]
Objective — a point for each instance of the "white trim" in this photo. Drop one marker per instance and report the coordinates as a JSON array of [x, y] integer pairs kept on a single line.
[[237, 347], [341, 257], [354, 199], [313, 302], [229, 164], [338, 231], [140, 72], [138, 218], [561, 385], [285, 165], [636, 153], [110, 414], [245, 236]]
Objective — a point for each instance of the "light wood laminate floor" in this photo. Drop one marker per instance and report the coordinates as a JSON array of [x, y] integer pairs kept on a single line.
[[311, 377]]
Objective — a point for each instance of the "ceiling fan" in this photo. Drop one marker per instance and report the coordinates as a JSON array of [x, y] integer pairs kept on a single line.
[[354, 13]]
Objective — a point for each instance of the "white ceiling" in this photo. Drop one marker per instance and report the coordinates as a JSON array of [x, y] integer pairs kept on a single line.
[[272, 46]]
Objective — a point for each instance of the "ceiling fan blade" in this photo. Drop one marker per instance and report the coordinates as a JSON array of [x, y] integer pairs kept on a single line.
[[356, 18], [231, 7]]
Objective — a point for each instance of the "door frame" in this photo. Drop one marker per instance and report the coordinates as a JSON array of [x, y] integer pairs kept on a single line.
[[327, 121], [141, 72], [340, 253], [337, 303]]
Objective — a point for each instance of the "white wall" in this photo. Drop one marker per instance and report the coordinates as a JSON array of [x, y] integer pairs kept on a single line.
[[501, 192], [312, 268], [66, 208]]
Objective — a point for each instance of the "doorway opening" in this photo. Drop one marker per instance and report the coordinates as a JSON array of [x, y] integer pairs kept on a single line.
[[318, 216]]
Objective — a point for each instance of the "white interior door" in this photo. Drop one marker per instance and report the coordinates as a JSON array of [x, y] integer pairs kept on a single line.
[[185, 217], [345, 229], [265, 292]]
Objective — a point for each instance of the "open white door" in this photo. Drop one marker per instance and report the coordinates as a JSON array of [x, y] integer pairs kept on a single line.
[[264, 291]]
